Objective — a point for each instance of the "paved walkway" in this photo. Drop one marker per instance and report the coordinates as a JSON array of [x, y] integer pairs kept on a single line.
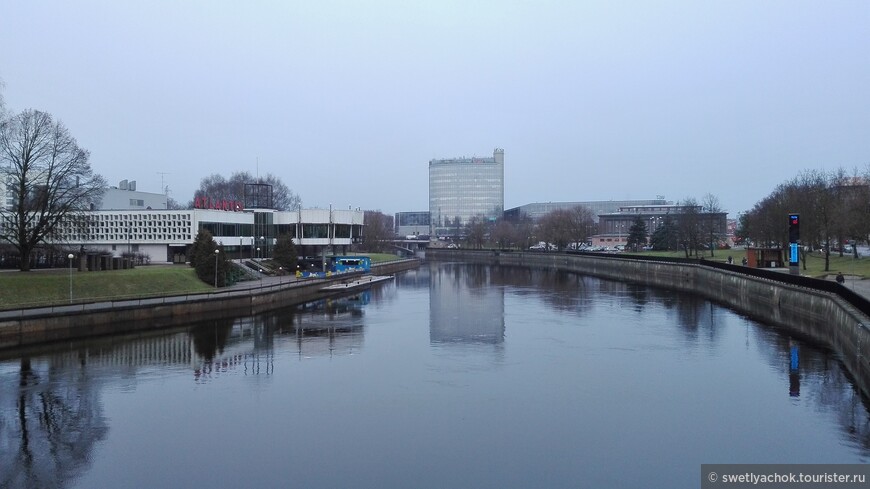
[[855, 283], [265, 281]]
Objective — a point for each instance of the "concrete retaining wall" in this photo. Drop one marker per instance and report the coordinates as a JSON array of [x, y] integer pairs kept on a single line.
[[821, 316], [66, 322]]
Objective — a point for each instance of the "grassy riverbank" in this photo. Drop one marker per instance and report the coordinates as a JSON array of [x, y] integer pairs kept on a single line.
[[42, 287], [815, 263], [45, 287]]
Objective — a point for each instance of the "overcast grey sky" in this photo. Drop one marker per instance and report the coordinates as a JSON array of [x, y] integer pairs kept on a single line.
[[348, 101]]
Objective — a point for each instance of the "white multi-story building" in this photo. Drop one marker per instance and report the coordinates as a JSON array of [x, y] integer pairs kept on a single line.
[[464, 188], [130, 222], [166, 235]]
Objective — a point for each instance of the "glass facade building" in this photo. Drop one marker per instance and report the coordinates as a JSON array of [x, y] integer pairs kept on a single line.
[[463, 188], [412, 223]]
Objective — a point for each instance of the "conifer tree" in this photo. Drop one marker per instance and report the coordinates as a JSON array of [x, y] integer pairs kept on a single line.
[[285, 252], [202, 259]]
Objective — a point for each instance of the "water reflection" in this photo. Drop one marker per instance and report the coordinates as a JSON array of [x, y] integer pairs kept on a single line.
[[52, 414], [814, 376], [331, 326], [466, 305], [50, 421], [794, 374], [328, 327]]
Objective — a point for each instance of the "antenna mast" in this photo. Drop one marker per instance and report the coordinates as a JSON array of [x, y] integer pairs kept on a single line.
[[163, 189]]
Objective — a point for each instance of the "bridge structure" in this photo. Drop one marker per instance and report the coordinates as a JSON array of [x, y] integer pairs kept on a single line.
[[409, 247]]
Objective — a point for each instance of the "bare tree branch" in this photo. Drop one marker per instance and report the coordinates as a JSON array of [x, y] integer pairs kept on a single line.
[[48, 178]]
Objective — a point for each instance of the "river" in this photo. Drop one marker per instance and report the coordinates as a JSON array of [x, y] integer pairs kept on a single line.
[[451, 375]]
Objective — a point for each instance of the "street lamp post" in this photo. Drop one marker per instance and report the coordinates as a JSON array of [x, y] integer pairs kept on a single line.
[[258, 253], [265, 250], [70, 257], [216, 253]]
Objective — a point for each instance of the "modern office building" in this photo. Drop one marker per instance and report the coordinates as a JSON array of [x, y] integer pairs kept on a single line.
[[412, 224], [464, 188]]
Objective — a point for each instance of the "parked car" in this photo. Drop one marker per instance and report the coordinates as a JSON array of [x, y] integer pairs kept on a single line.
[[543, 246]]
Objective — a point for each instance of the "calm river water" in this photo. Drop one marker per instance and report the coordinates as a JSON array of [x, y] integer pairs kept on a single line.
[[449, 376]]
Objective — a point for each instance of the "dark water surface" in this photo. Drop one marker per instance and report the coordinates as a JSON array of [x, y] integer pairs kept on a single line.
[[451, 376]]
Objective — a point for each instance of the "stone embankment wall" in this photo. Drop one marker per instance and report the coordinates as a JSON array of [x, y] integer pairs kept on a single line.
[[66, 322], [821, 316]]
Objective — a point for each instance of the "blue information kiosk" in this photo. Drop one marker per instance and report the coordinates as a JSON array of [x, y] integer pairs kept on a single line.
[[794, 236]]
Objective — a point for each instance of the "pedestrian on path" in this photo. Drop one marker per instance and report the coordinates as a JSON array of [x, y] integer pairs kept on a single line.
[[840, 278]]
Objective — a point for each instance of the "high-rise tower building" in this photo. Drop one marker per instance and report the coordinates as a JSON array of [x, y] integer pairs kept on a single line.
[[463, 188]]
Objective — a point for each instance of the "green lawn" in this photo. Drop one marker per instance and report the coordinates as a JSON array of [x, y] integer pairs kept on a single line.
[[41, 287], [380, 257], [815, 263], [44, 287]]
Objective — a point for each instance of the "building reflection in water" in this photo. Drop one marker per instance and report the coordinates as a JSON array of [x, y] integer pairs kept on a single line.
[[51, 417], [51, 414], [329, 327], [465, 306]]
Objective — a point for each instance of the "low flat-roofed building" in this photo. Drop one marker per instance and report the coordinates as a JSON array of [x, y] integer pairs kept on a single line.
[[614, 228], [536, 210], [125, 196], [166, 235]]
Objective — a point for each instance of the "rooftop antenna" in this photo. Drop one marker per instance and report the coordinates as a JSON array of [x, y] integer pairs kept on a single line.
[[162, 186]]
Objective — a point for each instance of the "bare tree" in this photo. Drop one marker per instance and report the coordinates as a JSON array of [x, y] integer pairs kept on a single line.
[[710, 207], [48, 177], [476, 231], [503, 234], [524, 230], [377, 231], [558, 227], [832, 207], [856, 208], [173, 204], [688, 225], [582, 224], [2, 101], [215, 186], [825, 208]]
